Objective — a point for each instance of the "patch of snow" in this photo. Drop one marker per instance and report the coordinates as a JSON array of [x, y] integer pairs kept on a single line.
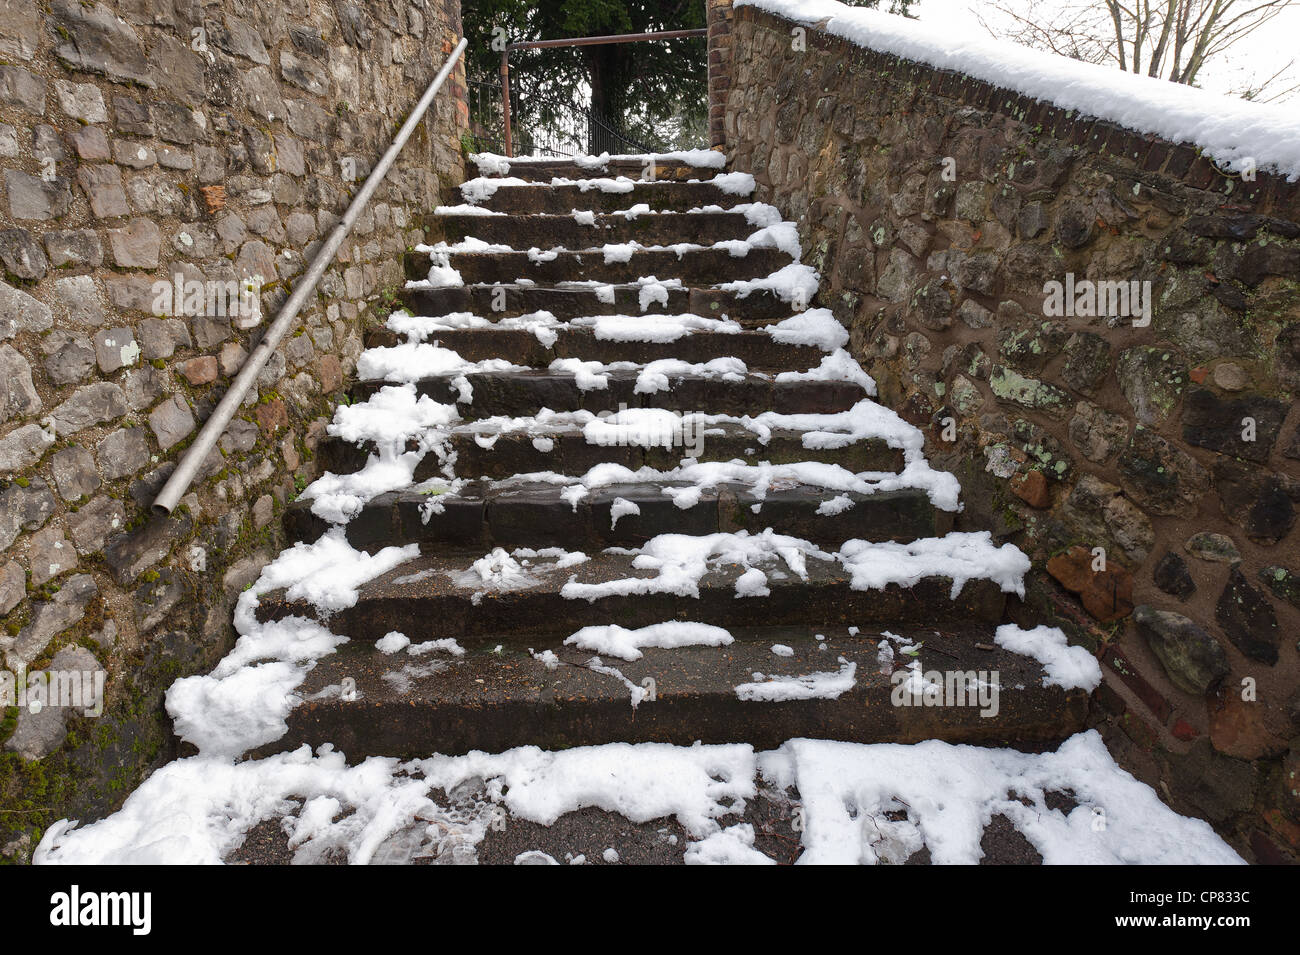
[[616, 641], [442, 645], [948, 794], [546, 658], [807, 686], [1063, 665], [636, 694], [795, 283], [734, 183], [198, 810], [465, 209], [392, 642], [503, 571], [490, 164], [621, 252], [244, 701], [816, 327], [752, 583], [534, 857], [958, 556], [621, 508], [731, 846], [412, 361], [680, 561], [537, 256], [653, 328], [835, 505]]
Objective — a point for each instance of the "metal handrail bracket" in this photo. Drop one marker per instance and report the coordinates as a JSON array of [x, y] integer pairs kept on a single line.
[[215, 426]]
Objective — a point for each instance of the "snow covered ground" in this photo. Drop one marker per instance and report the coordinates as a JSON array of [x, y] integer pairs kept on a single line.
[[867, 804]]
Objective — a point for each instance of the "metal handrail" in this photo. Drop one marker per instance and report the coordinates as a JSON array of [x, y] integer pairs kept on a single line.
[[215, 426], [572, 41], [587, 130]]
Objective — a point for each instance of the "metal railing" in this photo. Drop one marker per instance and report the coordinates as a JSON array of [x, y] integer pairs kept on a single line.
[[215, 426], [507, 133], [569, 129]]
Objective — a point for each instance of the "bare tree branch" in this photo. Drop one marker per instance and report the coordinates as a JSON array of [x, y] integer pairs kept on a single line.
[[1173, 38]]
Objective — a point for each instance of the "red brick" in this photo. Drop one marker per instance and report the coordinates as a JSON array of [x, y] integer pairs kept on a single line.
[[1139, 731], [1155, 159], [1201, 174], [1119, 663], [1181, 158]]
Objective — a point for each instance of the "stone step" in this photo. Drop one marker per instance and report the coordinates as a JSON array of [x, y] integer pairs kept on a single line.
[[562, 200], [518, 514], [563, 231], [508, 300], [492, 700], [516, 452], [631, 167], [694, 266], [520, 346], [524, 393], [443, 586]]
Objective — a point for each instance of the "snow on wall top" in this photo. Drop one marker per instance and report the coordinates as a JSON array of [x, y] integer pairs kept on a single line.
[[1231, 131]]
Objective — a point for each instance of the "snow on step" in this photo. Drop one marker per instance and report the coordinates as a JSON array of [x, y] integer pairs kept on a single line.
[[525, 594], [931, 795], [626, 644], [578, 228], [678, 563], [244, 701], [815, 327], [338, 498], [495, 696], [479, 190], [536, 338], [494, 164]]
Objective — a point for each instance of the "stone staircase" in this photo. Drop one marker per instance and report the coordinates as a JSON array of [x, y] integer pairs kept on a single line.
[[563, 311]]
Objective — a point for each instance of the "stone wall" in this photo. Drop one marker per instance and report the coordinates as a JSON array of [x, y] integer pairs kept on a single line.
[[176, 141], [937, 208]]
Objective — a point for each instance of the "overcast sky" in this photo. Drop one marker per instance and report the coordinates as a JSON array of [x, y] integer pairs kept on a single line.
[[1256, 57]]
